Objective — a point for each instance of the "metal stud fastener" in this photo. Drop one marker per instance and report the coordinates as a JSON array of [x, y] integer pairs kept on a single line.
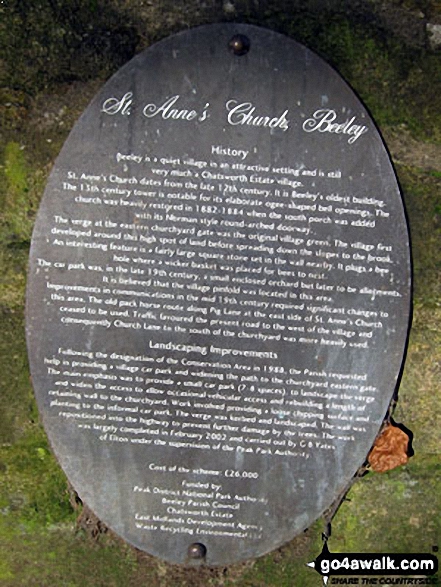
[[239, 44]]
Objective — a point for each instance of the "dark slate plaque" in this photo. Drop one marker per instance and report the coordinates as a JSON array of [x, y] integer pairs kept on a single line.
[[219, 294]]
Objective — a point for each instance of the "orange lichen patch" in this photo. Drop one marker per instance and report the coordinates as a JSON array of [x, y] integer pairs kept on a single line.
[[389, 450]]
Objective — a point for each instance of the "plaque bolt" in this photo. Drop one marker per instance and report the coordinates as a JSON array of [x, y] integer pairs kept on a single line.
[[239, 44], [197, 551]]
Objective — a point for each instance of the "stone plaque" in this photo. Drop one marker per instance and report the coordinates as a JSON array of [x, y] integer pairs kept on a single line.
[[219, 293]]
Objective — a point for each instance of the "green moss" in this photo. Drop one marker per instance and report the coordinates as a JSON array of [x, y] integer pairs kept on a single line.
[[5, 571], [60, 557], [33, 488], [16, 186], [15, 168], [17, 197], [13, 262], [399, 84], [422, 195], [18, 406], [38, 542], [419, 405], [48, 42], [396, 511], [20, 193], [52, 44]]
